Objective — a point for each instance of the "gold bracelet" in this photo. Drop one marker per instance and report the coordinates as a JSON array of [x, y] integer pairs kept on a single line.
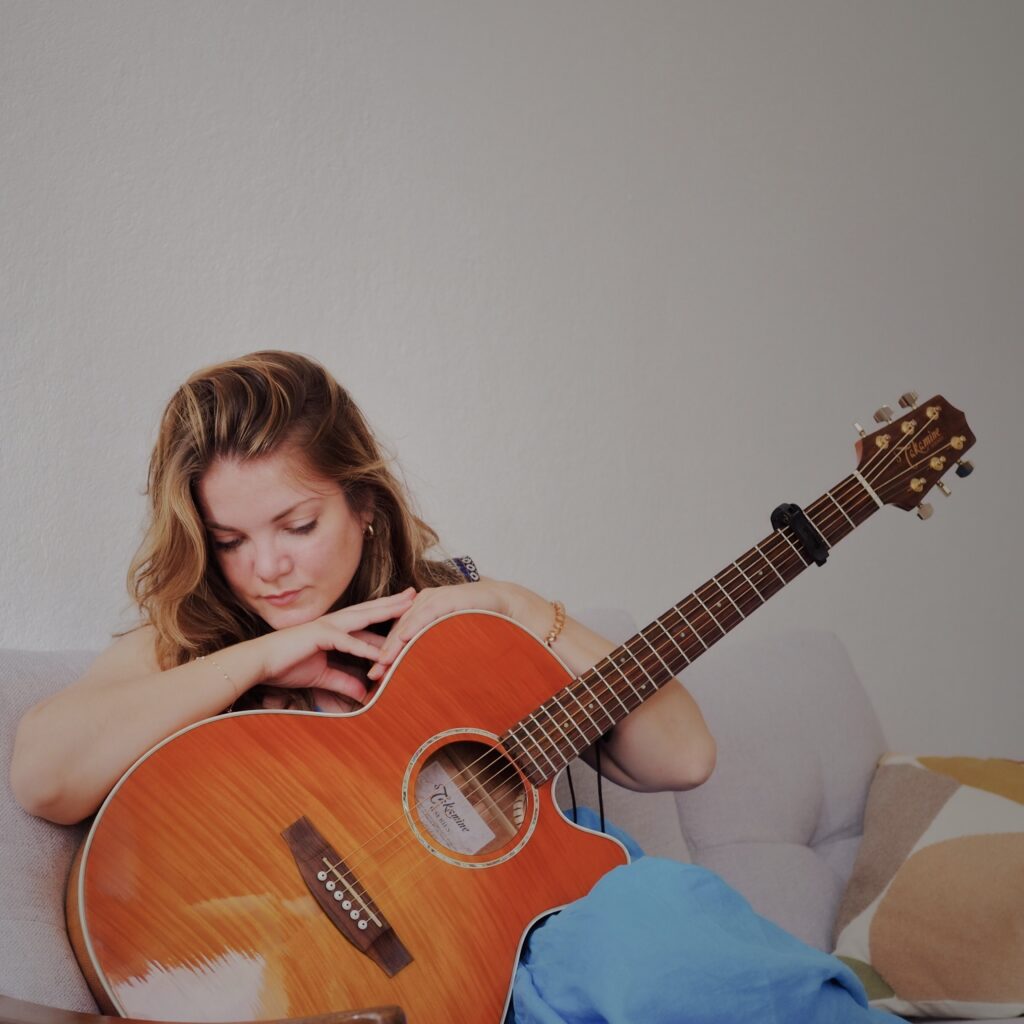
[[559, 623]]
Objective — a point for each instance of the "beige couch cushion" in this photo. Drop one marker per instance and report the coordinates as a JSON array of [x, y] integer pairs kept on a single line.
[[36, 962], [780, 818]]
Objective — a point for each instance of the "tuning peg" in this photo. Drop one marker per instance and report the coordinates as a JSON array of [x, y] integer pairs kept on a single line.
[[908, 399], [924, 510], [942, 487], [860, 430], [964, 467], [883, 415]]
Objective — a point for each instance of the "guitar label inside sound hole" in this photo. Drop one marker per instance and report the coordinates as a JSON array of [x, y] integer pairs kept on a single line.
[[446, 814], [469, 798]]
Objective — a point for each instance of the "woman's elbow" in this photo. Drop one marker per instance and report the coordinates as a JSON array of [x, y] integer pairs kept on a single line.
[[696, 764], [37, 790], [701, 762], [684, 767], [49, 803], [30, 795]]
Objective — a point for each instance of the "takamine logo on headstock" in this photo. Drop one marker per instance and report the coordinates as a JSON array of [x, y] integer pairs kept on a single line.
[[923, 445], [904, 459]]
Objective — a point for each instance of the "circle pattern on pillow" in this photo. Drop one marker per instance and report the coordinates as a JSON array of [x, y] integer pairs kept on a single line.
[[931, 920]]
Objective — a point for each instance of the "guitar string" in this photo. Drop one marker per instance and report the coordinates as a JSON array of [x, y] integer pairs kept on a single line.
[[659, 648], [511, 766], [392, 884], [831, 519]]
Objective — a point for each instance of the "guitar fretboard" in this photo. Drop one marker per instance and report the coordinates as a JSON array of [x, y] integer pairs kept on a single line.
[[565, 725]]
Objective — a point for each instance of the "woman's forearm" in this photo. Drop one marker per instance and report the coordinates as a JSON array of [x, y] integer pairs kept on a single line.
[[71, 748]]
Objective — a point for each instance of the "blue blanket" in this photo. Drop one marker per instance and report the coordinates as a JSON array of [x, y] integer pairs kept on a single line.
[[661, 942]]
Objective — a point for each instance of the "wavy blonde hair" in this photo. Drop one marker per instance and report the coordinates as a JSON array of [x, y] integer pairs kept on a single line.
[[248, 408]]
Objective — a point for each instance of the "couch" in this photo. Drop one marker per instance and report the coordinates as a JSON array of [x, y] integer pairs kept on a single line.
[[780, 819]]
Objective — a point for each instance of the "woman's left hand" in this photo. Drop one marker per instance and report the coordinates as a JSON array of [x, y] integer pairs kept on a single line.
[[431, 604]]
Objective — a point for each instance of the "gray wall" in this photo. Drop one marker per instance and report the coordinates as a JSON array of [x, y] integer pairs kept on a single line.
[[613, 278]]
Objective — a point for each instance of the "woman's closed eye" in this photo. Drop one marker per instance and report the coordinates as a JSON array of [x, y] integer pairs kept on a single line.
[[230, 545]]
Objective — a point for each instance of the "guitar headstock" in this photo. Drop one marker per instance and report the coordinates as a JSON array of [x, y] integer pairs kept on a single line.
[[906, 457]]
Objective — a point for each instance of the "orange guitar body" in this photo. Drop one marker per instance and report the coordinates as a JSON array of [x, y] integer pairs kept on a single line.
[[186, 901]]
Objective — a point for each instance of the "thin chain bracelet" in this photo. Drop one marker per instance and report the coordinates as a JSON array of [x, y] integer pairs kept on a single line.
[[559, 623], [220, 669]]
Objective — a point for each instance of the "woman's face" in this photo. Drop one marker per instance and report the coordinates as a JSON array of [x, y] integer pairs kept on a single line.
[[287, 543]]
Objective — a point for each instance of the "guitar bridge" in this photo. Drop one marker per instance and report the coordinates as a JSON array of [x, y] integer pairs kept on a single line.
[[349, 906]]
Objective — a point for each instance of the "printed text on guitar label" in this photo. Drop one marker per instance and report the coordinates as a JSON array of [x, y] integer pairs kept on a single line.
[[447, 815]]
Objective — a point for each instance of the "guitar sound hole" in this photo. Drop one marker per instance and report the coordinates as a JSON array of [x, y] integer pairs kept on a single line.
[[470, 799]]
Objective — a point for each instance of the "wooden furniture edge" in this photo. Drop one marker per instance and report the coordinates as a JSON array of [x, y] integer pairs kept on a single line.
[[18, 1011]]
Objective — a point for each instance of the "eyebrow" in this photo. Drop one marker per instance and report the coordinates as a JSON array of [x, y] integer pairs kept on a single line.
[[281, 515]]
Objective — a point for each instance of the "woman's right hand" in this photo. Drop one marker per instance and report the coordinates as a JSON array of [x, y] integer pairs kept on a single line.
[[297, 656]]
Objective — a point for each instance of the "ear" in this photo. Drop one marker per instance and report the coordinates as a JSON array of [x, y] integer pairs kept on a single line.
[[360, 502], [367, 515]]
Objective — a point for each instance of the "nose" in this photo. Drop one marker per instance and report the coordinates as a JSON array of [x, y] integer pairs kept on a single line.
[[270, 562]]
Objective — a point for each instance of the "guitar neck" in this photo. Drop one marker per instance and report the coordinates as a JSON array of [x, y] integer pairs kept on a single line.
[[544, 742]]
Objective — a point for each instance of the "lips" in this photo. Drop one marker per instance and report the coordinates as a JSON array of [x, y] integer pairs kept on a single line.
[[285, 597]]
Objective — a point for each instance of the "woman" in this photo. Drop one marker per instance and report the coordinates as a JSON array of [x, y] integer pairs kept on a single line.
[[284, 567], [278, 537]]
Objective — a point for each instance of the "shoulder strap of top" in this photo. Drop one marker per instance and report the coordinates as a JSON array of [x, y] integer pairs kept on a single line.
[[467, 567]]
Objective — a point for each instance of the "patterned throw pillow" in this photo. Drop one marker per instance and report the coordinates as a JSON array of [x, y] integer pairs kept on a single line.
[[932, 919]]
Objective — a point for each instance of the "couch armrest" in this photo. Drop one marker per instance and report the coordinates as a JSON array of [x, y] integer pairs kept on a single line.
[[17, 1011]]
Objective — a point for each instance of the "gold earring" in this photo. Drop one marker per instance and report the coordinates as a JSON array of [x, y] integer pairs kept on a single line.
[[368, 531]]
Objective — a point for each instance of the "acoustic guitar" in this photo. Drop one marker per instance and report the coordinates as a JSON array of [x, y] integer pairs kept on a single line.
[[268, 864]]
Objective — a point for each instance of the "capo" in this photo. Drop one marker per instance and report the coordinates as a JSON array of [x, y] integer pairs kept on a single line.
[[810, 540]]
